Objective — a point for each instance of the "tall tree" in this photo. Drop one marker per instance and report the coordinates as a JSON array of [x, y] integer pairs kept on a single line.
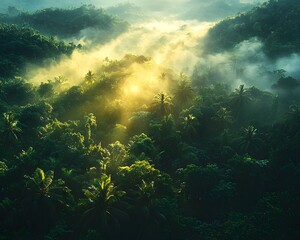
[[43, 198], [162, 104], [89, 122], [148, 216], [239, 100], [101, 211], [250, 142], [183, 93], [89, 78], [223, 118], [9, 128]]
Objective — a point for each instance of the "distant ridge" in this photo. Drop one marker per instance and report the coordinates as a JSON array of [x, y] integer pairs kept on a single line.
[[21, 45], [275, 23]]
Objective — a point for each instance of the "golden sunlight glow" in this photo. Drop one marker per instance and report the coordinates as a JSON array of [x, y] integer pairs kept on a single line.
[[171, 44], [134, 89]]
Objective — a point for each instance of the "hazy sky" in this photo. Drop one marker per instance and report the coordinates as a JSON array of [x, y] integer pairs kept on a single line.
[[183, 9]]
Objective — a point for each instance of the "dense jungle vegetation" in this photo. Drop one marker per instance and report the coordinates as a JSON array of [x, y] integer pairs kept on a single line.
[[65, 22], [275, 23], [194, 161], [22, 45]]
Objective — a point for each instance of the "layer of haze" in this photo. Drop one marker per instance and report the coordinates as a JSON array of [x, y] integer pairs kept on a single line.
[[180, 9], [170, 44], [245, 64], [168, 32]]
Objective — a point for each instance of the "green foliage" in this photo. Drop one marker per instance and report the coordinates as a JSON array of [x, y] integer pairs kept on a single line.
[[162, 104], [89, 78], [141, 146], [275, 23], [286, 83], [46, 90], [137, 173], [89, 122], [9, 129], [43, 198], [102, 213], [250, 141], [3, 168], [223, 118], [101, 191], [33, 118], [204, 173], [67, 22], [58, 232], [17, 92], [206, 163], [19, 45], [43, 185], [183, 93], [118, 155]]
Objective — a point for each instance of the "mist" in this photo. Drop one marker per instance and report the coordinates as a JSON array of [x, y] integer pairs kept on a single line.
[[170, 33], [177, 9], [169, 44], [178, 115]]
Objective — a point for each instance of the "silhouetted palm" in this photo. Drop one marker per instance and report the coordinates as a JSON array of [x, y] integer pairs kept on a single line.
[[44, 196], [240, 99], [102, 213], [223, 118], [162, 104], [183, 93], [89, 122], [60, 83], [145, 206], [43, 185], [9, 128], [250, 142], [89, 78], [189, 126]]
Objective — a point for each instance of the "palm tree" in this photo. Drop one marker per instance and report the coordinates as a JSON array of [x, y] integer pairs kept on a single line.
[[240, 99], [44, 196], [89, 78], [162, 104], [102, 213], [240, 94], [183, 93], [43, 185], [89, 122], [189, 126], [250, 142], [9, 128], [60, 83], [223, 118], [145, 206]]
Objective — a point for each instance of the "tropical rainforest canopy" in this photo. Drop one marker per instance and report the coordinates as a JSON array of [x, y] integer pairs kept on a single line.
[[94, 146], [275, 23]]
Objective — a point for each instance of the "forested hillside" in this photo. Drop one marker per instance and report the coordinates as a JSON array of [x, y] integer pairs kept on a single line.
[[21, 45], [276, 23], [191, 163], [66, 22], [137, 150]]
